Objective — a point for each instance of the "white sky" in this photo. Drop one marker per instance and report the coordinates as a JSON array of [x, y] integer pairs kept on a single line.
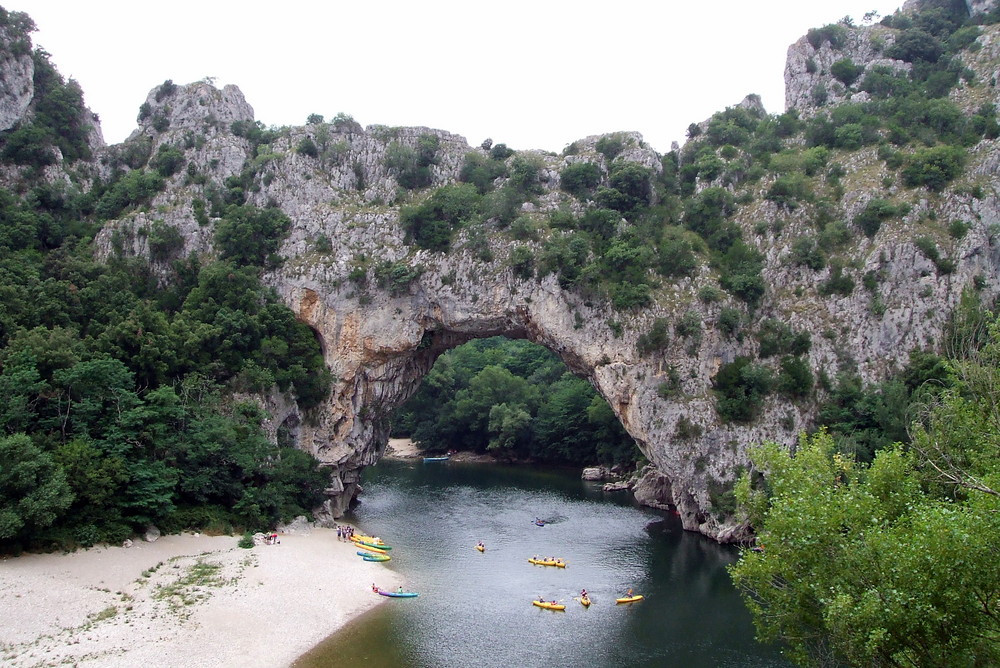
[[534, 74]]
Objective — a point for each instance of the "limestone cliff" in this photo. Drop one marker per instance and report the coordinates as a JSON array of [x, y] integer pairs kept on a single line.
[[381, 334]]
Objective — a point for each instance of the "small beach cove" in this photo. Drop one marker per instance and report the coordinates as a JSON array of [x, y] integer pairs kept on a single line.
[[190, 599]]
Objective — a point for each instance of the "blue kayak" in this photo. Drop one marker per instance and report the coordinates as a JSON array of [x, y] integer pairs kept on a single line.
[[398, 594]]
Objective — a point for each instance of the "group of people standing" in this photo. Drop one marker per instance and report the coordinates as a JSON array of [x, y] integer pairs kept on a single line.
[[345, 532]]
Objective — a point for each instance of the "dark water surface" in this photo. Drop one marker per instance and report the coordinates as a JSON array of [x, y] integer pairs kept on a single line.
[[475, 608]]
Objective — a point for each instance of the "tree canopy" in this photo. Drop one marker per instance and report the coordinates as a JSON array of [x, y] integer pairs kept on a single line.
[[513, 399], [891, 563]]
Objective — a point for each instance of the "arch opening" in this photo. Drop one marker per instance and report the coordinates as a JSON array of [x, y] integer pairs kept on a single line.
[[514, 400]]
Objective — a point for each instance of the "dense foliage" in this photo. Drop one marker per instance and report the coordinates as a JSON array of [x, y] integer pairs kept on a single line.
[[886, 558], [118, 393], [121, 389], [513, 399]]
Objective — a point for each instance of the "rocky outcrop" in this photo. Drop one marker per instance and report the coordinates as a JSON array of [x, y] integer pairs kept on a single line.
[[17, 72], [809, 80]]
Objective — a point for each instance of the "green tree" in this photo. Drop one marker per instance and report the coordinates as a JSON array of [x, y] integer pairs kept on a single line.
[[248, 235], [845, 71], [862, 566], [33, 488], [580, 178], [509, 427]]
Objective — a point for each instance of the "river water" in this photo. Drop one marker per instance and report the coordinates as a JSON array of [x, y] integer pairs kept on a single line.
[[475, 608]]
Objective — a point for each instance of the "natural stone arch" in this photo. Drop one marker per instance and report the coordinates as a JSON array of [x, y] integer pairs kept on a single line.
[[379, 332], [379, 351]]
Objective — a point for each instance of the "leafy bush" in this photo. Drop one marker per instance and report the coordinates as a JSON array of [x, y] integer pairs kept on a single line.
[[431, 224], [307, 147], [877, 211], [689, 325], [740, 388], [133, 189], [412, 166], [655, 339], [915, 45], [631, 181], [927, 246], [522, 261], [934, 167], [251, 236], [806, 252], [564, 255], [787, 191], [396, 276], [778, 338], [524, 176], [580, 178], [845, 71], [795, 378], [168, 160], [481, 171], [610, 146], [730, 321], [884, 82], [164, 240], [500, 152], [741, 268], [833, 33], [839, 283]]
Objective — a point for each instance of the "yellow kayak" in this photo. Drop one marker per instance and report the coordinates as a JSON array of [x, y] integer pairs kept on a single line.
[[629, 599], [559, 563], [549, 606], [585, 601], [376, 550], [481, 548]]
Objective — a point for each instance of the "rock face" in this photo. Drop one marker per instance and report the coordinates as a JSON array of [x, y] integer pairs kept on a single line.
[[380, 340], [380, 335], [17, 71]]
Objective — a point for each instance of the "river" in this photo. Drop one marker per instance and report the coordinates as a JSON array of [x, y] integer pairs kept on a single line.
[[475, 608]]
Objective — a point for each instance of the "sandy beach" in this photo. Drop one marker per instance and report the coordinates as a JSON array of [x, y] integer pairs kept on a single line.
[[190, 600], [404, 448], [401, 448]]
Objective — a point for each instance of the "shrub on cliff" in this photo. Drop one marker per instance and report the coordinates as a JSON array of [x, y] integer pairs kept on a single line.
[[580, 178], [412, 165], [833, 33], [740, 388], [934, 167], [431, 224], [251, 236], [845, 71]]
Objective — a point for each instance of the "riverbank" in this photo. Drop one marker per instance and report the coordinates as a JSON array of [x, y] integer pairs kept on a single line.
[[190, 600], [404, 448]]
